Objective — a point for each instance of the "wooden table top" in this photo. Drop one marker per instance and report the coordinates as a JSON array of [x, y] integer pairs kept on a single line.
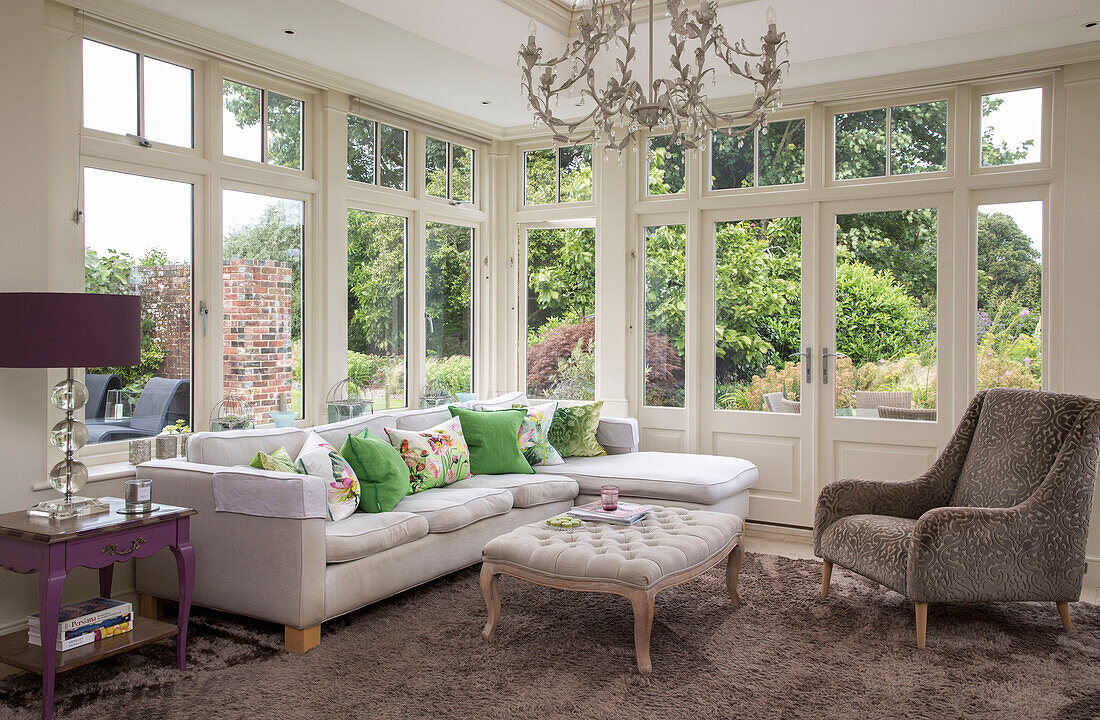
[[19, 524]]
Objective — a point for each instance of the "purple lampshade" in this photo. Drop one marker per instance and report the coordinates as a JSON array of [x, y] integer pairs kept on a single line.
[[61, 330]]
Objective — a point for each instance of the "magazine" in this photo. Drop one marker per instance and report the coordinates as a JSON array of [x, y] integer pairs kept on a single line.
[[625, 514], [87, 635]]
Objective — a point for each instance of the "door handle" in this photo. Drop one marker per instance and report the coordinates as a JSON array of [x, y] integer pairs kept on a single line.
[[203, 312], [825, 355], [808, 359]]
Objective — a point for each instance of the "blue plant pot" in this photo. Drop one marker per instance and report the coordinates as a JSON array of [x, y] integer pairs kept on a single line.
[[466, 397], [284, 419]]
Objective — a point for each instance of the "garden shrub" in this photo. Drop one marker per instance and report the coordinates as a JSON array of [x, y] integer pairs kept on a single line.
[[451, 374], [556, 348]]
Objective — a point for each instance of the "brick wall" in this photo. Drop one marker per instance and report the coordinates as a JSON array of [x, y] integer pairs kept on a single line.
[[257, 308]]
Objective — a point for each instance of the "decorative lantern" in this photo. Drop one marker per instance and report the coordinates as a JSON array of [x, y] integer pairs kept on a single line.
[[232, 413], [345, 401], [434, 396]]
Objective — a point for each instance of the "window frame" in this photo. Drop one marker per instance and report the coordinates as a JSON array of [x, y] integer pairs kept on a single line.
[[266, 85], [1044, 141], [661, 220], [643, 168], [376, 183], [891, 101], [449, 162], [429, 216], [142, 47], [522, 150]]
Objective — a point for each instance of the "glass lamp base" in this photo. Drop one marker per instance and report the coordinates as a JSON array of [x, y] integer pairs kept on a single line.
[[59, 509]]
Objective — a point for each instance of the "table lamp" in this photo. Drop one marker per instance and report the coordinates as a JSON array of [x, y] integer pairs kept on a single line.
[[69, 330]]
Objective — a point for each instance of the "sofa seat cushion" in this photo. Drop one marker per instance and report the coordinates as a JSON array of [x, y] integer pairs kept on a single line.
[[527, 490], [366, 534], [703, 479], [449, 508], [875, 546]]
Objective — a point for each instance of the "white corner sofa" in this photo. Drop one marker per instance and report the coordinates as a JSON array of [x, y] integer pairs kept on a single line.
[[265, 549]]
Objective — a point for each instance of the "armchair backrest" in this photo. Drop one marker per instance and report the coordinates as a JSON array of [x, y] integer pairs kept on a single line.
[[1017, 438]]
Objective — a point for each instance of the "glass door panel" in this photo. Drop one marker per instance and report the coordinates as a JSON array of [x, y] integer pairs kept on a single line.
[[448, 311], [758, 315], [886, 299]]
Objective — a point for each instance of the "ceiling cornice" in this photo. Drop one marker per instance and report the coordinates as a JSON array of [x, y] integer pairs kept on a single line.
[[557, 16]]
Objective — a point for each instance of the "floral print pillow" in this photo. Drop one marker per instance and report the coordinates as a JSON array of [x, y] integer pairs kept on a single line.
[[436, 457], [319, 458], [533, 432]]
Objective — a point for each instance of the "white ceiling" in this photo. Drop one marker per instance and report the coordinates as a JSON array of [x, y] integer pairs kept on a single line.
[[457, 53]]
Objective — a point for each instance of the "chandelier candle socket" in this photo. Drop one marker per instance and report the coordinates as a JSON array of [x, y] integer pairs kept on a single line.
[[624, 106]]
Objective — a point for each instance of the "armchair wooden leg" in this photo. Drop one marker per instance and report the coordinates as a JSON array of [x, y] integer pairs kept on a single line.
[[826, 576], [922, 622], [1063, 610], [302, 641]]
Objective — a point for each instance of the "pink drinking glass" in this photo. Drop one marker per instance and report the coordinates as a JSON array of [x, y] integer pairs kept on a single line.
[[609, 495]]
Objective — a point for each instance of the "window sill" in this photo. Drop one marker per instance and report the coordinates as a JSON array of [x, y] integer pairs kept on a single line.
[[99, 473]]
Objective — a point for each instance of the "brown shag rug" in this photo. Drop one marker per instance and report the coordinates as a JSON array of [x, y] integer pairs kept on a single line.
[[786, 653]]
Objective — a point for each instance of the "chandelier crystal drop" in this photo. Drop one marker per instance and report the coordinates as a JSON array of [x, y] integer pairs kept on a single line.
[[625, 106]]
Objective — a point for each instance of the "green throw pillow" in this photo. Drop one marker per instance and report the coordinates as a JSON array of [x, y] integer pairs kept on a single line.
[[573, 431], [492, 437], [383, 474], [278, 461]]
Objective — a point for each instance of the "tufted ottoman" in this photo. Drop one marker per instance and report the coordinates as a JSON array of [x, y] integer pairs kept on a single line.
[[670, 546]]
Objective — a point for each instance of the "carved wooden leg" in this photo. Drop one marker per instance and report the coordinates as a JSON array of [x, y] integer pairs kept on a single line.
[[643, 627], [302, 641], [491, 591], [185, 569], [1063, 610], [733, 570], [922, 622], [150, 606], [826, 576], [51, 581]]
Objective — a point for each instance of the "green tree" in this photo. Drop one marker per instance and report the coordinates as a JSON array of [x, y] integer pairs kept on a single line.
[[376, 283], [449, 289], [876, 318], [561, 276], [994, 152], [283, 121], [1008, 264]]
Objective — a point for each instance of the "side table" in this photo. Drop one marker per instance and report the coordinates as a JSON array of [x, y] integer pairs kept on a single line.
[[54, 547]]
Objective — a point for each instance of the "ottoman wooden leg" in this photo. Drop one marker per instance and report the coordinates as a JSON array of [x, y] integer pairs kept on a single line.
[[643, 627], [733, 570], [491, 591]]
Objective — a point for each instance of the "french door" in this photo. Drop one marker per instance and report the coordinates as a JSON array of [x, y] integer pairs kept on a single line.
[[826, 340]]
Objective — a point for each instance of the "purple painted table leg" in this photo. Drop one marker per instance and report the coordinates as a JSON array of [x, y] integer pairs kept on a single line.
[[185, 568], [106, 580], [51, 581]]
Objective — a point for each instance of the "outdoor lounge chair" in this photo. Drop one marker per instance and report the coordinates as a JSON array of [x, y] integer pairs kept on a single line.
[[162, 402]]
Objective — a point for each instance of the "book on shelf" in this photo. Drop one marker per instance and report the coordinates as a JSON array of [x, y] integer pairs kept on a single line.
[[87, 634], [86, 612], [624, 514]]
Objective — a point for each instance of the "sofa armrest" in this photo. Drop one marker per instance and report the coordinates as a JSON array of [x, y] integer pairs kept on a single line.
[[906, 499], [1019, 553], [250, 491], [272, 568], [618, 436]]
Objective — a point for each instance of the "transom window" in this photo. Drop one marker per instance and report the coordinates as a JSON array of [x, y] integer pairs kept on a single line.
[[128, 93], [376, 153], [665, 172], [898, 140], [560, 176], [448, 170], [261, 125], [1012, 124], [772, 155]]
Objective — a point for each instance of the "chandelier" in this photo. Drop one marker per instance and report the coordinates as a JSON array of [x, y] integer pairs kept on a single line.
[[676, 105]]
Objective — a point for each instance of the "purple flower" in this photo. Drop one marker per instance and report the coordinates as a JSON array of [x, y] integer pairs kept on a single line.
[[881, 361], [1024, 312], [1007, 373], [989, 354], [1027, 361]]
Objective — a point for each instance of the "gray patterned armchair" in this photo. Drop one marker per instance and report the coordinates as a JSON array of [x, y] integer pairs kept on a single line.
[[1001, 516]]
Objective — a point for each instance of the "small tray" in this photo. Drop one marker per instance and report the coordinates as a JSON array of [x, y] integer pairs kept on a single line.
[[137, 511]]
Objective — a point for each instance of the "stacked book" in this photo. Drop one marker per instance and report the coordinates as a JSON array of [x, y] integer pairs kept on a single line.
[[624, 514], [85, 622]]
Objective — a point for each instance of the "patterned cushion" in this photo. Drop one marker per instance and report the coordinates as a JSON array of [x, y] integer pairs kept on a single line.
[[320, 459], [1019, 433], [278, 461], [668, 541], [573, 431], [534, 432], [436, 457], [875, 546]]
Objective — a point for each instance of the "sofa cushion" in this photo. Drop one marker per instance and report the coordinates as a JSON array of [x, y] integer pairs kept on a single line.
[[527, 490], [320, 459], [365, 534], [336, 433], [703, 479], [238, 447], [501, 402], [278, 461], [422, 419], [493, 438], [448, 508], [875, 546], [435, 457]]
